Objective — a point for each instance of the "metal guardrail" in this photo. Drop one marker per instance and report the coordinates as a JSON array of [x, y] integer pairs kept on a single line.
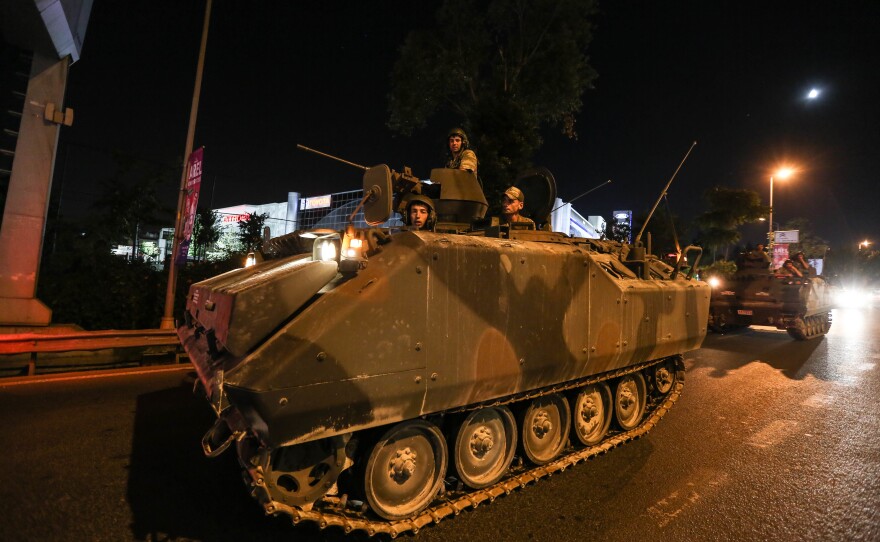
[[23, 343], [39, 343]]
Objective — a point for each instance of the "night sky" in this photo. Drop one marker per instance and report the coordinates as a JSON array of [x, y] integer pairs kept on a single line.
[[732, 76]]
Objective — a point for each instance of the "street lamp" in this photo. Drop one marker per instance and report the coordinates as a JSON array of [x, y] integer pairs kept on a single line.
[[782, 173], [864, 243]]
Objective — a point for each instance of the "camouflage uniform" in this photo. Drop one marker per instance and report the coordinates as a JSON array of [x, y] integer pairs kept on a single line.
[[466, 158], [515, 193], [519, 218]]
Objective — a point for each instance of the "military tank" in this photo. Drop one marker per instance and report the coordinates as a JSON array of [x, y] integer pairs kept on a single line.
[[381, 379], [757, 295]]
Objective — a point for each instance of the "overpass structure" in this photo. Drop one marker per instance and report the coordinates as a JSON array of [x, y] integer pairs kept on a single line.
[[39, 40]]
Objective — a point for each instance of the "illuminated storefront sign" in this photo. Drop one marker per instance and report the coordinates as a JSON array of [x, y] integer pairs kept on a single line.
[[790, 236], [317, 202], [623, 217]]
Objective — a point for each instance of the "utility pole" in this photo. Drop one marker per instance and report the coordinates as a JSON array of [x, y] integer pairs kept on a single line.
[[168, 315]]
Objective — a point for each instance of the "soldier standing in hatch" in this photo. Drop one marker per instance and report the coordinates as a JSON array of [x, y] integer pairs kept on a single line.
[[800, 261], [420, 213], [789, 269], [511, 204], [759, 254], [459, 153]]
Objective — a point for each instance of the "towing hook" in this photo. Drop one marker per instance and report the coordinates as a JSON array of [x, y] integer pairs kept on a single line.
[[213, 436]]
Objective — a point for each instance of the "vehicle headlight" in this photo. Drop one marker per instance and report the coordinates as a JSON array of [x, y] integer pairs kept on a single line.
[[354, 248], [326, 249], [714, 282], [851, 297]]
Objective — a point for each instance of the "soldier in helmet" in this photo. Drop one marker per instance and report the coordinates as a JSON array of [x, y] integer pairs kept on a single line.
[[459, 153], [800, 261], [419, 213], [788, 268], [758, 257], [512, 203]]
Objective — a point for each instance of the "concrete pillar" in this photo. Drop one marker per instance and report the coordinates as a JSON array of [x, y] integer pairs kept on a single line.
[[27, 201], [292, 221]]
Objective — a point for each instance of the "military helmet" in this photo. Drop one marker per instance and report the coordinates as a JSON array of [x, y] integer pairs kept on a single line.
[[424, 200], [515, 193], [460, 133]]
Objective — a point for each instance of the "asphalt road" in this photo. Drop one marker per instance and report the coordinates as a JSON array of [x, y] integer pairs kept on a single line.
[[772, 439]]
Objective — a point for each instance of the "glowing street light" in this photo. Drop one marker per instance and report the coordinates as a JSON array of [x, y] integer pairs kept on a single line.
[[782, 173], [864, 244]]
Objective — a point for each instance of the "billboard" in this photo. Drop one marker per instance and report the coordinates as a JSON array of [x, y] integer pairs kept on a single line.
[[787, 236], [190, 202]]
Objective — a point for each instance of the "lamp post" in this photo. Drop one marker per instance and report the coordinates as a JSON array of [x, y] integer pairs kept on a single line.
[[782, 173], [168, 315], [864, 243]]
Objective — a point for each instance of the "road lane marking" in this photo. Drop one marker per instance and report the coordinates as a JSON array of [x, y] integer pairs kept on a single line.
[[775, 432], [818, 400], [667, 509]]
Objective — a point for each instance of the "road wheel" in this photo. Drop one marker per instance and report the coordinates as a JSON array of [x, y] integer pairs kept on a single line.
[[629, 400], [484, 446], [405, 469], [592, 413], [664, 377], [798, 330], [544, 427]]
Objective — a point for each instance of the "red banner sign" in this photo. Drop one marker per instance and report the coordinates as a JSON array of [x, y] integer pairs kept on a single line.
[[191, 202]]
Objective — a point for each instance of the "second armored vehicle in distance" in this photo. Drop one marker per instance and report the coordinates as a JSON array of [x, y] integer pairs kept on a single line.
[[757, 295]]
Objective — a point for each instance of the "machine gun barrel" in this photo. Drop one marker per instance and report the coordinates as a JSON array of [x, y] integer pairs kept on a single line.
[[324, 154]]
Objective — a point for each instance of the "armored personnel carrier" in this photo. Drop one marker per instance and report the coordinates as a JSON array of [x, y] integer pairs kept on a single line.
[[381, 379], [757, 295]]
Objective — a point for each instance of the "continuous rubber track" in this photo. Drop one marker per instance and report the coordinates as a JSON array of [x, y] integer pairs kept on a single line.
[[332, 511]]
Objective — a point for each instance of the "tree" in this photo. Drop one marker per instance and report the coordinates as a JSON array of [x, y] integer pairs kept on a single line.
[[507, 68], [729, 208], [129, 202], [85, 284], [250, 231], [620, 232], [206, 232], [810, 244]]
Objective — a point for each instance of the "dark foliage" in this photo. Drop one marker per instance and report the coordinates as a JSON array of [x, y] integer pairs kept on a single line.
[[506, 68], [84, 284], [251, 231]]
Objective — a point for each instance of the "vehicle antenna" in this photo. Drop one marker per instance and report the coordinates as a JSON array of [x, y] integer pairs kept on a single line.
[[584, 194], [324, 154], [654, 208]]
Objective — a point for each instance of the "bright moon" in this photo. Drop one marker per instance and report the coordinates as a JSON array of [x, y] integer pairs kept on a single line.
[[813, 94]]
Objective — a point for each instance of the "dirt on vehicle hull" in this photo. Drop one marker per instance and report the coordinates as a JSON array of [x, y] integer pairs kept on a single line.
[[380, 379]]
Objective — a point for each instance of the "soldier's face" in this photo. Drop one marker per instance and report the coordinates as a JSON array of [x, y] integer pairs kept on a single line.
[[454, 143], [511, 206], [418, 216]]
